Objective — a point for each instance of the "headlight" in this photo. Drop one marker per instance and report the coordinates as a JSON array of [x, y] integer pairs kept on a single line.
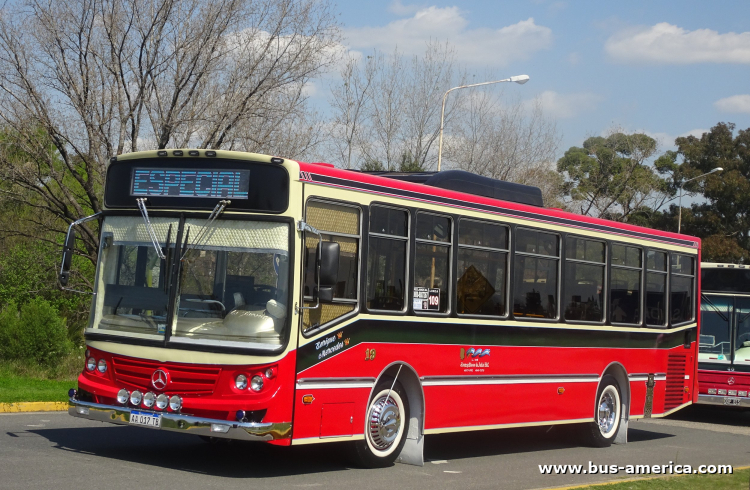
[[122, 396], [162, 401], [102, 366], [256, 383], [91, 364], [175, 403], [149, 399], [136, 397], [240, 381], [270, 373]]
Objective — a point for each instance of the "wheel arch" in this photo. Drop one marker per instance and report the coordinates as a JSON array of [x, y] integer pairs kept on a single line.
[[412, 453], [618, 371]]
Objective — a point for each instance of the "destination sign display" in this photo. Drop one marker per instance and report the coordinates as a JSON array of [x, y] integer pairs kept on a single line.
[[195, 183]]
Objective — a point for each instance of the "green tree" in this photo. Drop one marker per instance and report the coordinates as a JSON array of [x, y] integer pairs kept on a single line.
[[610, 177], [723, 220]]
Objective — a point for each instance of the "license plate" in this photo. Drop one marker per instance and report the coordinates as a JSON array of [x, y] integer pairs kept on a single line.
[[145, 419], [731, 401]]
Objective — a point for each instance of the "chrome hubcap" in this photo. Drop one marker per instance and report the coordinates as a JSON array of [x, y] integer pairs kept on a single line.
[[607, 413], [385, 421]]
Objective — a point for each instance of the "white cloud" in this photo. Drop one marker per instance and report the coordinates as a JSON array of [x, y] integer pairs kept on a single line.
[[738, 104], [564, 106], [398, 8], [668, 44], [473, 46], [694, 132]]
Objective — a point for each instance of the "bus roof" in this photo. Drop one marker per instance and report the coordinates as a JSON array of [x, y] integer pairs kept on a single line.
[[381, 184]]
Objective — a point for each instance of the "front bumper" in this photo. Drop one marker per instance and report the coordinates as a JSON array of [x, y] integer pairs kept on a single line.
[[728, 401], [227, 429]]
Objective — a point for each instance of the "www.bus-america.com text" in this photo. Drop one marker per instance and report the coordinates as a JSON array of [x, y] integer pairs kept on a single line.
[[635, 469]]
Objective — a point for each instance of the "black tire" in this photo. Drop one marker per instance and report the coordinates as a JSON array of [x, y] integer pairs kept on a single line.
[[607, 414], [383, 441]]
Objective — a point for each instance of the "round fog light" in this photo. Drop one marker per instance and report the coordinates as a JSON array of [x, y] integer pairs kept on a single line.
[[102, 366], [240, 382], [256, 383], [175, 403], [91, 364], [162, 401], [136, 397], [270, 373], [149, 399], [122, 396]]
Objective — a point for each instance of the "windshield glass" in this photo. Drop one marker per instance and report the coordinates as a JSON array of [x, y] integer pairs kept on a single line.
[[132, 296], [233, 286], [715, 335], [742, 326], [234, 283]]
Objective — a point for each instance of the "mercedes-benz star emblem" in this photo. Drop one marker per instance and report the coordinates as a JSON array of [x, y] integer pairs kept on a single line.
[[159, 379], [730, 380]]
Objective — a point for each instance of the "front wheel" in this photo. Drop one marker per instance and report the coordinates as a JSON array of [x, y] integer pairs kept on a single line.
[[386, 423], [608, 412]]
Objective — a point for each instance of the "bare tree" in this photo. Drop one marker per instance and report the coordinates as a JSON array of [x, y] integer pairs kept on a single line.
[[350, 100], [84, 80], [386, 109], [512, 141]]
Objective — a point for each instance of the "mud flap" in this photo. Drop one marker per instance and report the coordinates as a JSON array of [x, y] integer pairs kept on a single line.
[[413, 451]]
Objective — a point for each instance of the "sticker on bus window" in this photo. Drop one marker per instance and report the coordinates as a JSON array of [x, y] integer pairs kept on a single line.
[[426, 299]]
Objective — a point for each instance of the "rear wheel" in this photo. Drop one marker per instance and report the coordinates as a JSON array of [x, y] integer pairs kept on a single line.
[[386, 424], [602, 432]]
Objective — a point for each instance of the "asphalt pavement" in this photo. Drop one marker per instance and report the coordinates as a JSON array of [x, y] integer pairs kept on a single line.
[[52, 450]]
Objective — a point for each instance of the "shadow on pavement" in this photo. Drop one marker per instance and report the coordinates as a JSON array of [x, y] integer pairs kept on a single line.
[[712, 414], [234, 459]]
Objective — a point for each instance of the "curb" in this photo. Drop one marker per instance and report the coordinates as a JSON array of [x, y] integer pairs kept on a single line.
[[630, 480], [33, 407]]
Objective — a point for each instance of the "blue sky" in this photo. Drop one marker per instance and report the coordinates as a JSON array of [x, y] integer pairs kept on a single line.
[[664, 68]]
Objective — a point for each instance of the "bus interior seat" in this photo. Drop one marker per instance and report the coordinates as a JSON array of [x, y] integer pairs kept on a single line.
[[238, 291]]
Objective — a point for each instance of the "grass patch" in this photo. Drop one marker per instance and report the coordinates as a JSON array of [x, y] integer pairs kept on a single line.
[[24, 382], [737, 481]]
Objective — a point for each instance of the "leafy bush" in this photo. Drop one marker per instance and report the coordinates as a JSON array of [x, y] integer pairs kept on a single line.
[[35, 334], [29, 270]]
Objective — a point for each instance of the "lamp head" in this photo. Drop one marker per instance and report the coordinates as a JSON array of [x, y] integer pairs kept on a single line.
[[520, 79], [717, 169]]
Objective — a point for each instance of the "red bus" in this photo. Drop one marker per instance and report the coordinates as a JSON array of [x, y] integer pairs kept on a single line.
[[724, 352], [251, 297]]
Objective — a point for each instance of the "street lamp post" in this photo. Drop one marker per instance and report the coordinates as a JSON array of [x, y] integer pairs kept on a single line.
[[679, 219], [520, 79]]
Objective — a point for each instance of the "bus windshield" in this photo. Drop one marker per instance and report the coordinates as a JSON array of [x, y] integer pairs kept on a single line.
[[715, 336], [232, 288]]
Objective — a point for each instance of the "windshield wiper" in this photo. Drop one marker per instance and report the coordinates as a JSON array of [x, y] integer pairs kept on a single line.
[[205, 233], [151, 233]]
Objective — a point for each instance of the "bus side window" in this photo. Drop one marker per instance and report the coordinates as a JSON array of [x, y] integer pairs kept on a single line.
[[432, 263], [386, 259], [656, 288], [682, 288], [625, 284], [583, 294], [482, 268], [536, 274], [341, 224]]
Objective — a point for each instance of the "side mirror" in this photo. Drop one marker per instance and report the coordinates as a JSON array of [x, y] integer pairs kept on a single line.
[[328, 270], [67, 256]]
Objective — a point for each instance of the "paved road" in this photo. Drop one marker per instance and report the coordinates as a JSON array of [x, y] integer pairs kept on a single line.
[[55, 451]]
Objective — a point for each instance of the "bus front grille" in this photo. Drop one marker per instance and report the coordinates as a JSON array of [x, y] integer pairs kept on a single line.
[[183, 378]]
